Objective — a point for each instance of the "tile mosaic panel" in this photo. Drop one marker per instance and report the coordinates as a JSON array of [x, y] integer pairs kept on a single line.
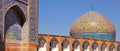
[[23, 1], [33, 20], [9, 3], [14, 32], [92, 22], [12, 25], [102, 36]]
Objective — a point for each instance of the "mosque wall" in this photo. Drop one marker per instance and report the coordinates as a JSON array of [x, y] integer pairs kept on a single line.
[[68, 43], [13, 12], [18, 33], [13, 18], [1, 21]]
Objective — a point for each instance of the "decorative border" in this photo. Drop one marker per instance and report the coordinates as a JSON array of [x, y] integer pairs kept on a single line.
[[33, 20], [102, 36], [23, 1]]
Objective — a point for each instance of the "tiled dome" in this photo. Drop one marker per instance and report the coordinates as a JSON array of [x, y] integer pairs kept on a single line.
[[93, 24]]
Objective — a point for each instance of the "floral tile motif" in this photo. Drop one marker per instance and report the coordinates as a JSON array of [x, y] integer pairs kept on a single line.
[[33, 20]]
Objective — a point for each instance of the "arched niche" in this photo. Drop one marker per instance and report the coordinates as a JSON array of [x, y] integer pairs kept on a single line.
[[65, 45], [112, 47], [95, 46], [41, 44], [76, 45], [54, 44], [118, 48], [85, 46], [13, 22], [104, 47]]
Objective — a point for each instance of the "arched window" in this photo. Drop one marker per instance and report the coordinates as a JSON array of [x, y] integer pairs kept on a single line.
[[111, 48], [85, 46], [118, 48], [42, 44], [53, 45], [65, 45], [103, 47], [76, 45], [14, 20], [95, 46]]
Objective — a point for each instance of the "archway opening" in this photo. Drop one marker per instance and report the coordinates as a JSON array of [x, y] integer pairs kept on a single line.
[[95, 46], [14, 21], [54, 45], [65, 45], [118, 48], [104, 47], [85, 46], [112, 47], [42, 44], [76, 45]]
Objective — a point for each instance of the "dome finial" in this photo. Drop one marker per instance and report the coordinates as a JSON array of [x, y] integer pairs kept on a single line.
[[92, 9]]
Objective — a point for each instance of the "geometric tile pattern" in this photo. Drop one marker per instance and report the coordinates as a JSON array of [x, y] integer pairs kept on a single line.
[[10, 3], [33, 16], [93, 25], [14, 33], [92, 22], [100, 36], [13, 24]]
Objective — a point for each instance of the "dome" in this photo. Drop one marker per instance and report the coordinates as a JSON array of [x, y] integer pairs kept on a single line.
[[93, 25]]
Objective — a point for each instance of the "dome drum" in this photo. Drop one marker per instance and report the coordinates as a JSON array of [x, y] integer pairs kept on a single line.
[[101, 36]]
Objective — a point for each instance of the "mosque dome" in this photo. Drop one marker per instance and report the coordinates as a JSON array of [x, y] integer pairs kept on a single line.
[[93, 25]]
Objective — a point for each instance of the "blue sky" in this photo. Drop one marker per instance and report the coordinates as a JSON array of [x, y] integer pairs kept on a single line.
[[57, 16]]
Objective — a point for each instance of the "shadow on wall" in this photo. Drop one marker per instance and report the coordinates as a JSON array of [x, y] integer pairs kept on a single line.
[[1, 45]]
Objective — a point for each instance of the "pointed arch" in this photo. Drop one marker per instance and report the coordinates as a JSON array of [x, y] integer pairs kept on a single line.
[[14, 15], [112, 47], [95, 46], [53, 44], [103, 47], [85, 46], [76, 45], [118, 48], [17, 10], [41, 44], [65, 45]]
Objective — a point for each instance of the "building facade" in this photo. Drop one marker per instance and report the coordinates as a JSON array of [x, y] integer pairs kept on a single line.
[[19, 31], [69, 43], [18, 23], [90, 32]]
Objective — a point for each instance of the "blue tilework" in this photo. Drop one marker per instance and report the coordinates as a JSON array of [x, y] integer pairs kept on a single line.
[[101, 36]]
